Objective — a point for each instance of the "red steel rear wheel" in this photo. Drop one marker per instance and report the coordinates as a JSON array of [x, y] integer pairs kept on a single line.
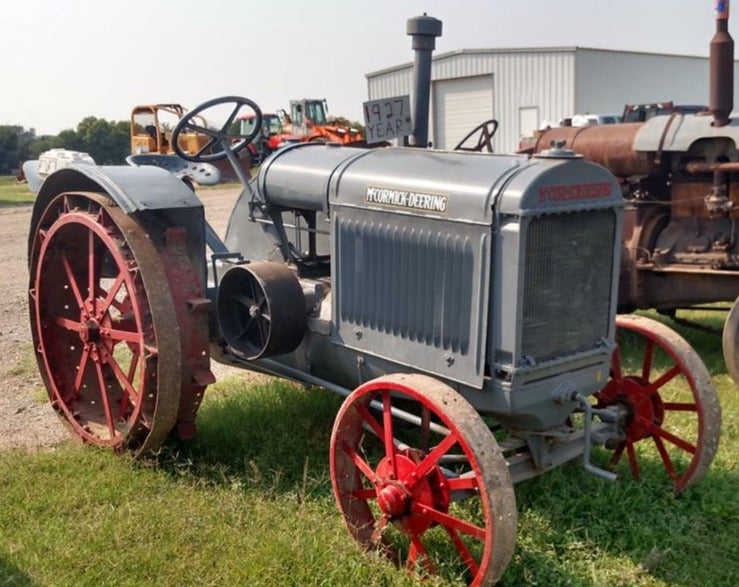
[[668, 398], [437, 496], [102, 323]]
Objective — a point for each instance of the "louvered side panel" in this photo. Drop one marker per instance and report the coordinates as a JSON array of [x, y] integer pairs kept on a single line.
[[413, 290], [407, 282]]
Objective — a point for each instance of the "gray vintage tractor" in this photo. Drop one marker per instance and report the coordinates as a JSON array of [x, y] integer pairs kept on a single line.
[[464, 303]]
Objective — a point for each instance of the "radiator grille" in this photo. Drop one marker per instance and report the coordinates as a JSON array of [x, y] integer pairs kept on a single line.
[[567, 287], [410, 282]]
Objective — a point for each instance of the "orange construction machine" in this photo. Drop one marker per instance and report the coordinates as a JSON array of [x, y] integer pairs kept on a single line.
[[308, 121]]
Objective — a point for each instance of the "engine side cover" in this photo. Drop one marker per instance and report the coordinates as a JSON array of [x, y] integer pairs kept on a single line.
[[412, 255]]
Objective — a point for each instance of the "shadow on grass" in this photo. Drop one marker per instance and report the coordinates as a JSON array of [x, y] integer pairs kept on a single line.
[[12, 575], [273, 438], [688, 539]]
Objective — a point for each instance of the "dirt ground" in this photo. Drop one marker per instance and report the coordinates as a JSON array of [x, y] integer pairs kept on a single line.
[[26, 419]]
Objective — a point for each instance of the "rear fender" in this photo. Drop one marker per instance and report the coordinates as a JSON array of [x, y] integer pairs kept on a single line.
[[155, 197]]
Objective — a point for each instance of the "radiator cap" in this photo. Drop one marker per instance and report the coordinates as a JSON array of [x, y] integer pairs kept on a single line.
[[558, 151]]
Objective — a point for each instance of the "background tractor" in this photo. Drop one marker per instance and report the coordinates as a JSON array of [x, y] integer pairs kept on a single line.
[[308, 121], [679, 173]]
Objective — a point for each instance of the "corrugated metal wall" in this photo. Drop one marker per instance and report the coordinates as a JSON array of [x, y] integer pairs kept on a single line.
[[606, 80], [521, 78], [560, 82]]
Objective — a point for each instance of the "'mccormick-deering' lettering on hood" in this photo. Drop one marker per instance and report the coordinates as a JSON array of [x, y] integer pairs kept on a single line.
[[574, 191], [394, 198]]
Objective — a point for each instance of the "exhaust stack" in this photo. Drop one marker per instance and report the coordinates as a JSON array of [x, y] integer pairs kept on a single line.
[[721, 98]]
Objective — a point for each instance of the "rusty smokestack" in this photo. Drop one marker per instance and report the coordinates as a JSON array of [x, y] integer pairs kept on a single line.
[[721, 98]]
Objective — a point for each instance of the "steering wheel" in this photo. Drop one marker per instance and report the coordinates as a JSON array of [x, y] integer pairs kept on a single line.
[[484, 138], [224, 138]]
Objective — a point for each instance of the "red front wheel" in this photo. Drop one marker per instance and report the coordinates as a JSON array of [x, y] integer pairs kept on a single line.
[[672, 412], [437, 495]]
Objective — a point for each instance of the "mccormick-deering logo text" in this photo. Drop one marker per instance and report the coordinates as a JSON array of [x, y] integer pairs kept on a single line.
[[406, 199]]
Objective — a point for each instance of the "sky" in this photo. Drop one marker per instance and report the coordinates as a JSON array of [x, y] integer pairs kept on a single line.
[[62, 60]]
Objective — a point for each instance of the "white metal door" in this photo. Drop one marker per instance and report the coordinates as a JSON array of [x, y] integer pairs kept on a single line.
[[459, 105]]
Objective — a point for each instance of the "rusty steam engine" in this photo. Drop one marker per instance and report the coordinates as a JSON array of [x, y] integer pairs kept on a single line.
[[680, 176]]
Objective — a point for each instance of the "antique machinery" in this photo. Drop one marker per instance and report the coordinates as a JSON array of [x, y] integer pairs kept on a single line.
[[463, 303], [680, 176]]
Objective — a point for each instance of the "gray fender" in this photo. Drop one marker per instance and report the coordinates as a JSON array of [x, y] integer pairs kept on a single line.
[[154, 196]]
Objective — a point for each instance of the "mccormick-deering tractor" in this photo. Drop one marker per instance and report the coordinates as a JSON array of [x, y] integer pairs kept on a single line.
[[463, 303]]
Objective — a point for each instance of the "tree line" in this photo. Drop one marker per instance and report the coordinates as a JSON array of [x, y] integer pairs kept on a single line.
[[107, 142]]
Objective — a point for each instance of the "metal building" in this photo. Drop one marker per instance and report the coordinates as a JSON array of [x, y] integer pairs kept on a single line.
[[525, 88]]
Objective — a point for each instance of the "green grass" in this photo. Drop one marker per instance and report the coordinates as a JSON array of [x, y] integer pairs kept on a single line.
[[14, 193], [249, 502]]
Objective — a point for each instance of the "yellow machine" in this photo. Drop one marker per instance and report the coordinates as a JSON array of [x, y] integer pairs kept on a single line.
[[151, 130]]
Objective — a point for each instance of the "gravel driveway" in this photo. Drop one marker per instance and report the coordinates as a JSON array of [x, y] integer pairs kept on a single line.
[[26, 419]]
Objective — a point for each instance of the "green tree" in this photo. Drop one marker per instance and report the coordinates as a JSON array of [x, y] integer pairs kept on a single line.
[[107, 142], [15, 146]]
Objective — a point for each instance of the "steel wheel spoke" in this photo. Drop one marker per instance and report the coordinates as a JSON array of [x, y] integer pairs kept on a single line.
[[91, 269], [103, 308], [123, 335], [126, 399], [680, 407], [416, 550], [106, 400], [665, 457], [72, 281], [633, 462], [432, 458], [464, 552], [387, 420], [669, 437], [68, 324], [122, 377], [364, 494], [370, 420], [449, 521], [616, 456], [662, 380], [461, 483], [81, 369], [359, 462]]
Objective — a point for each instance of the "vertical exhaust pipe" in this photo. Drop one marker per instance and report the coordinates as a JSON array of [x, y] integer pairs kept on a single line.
[[721, 98], [424, 30]]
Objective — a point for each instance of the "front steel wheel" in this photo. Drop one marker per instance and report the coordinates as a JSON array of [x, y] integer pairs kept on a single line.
[[668, 398], [436, 496], [102, 322]]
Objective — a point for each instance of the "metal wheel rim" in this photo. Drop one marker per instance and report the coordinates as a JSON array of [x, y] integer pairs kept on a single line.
[[489, 483], [660, 404], [151, 390]]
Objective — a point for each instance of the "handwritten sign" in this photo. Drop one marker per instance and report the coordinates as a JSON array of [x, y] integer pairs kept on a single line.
[[388, 118]]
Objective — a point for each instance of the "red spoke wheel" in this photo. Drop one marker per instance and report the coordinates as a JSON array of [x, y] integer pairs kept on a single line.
[[102, 317], [448, 507], [671, 407]]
